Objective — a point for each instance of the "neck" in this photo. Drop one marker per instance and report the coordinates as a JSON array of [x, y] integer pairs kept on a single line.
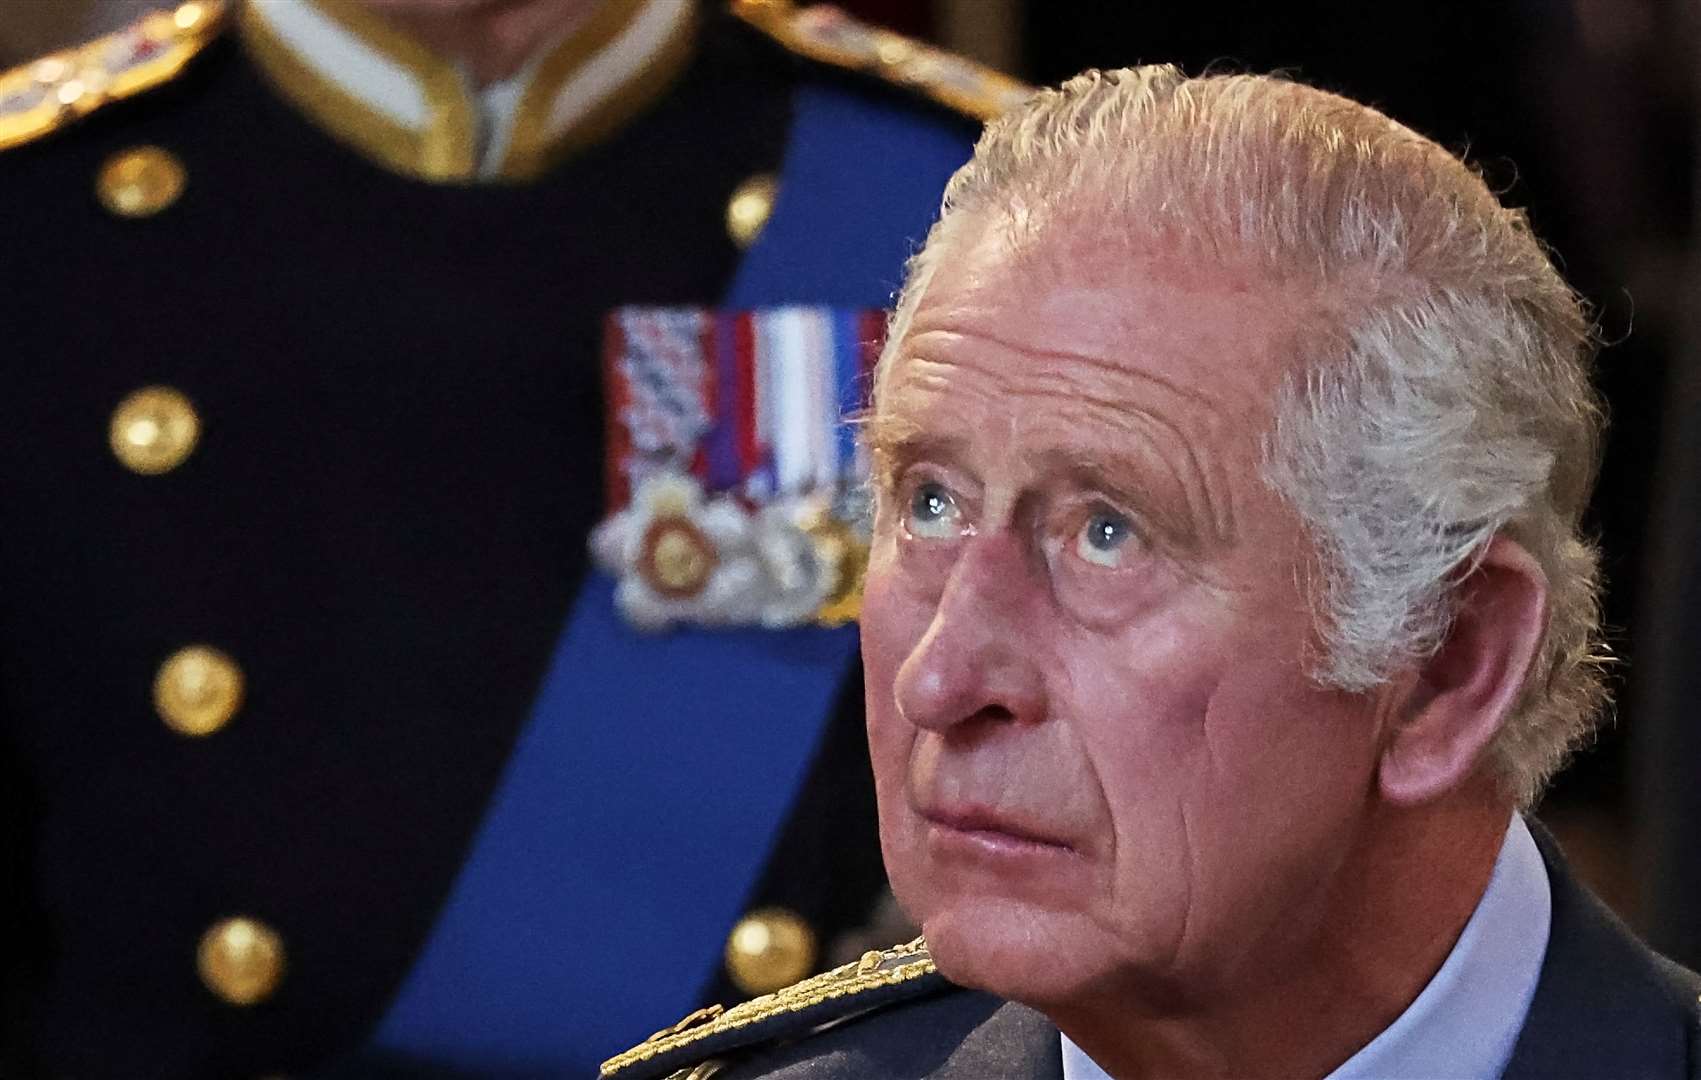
[[492, 39], [1385, 926]]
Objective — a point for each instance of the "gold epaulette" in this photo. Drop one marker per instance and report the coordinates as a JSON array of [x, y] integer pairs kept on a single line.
[[824, 33], [837, 993], [58, 90]]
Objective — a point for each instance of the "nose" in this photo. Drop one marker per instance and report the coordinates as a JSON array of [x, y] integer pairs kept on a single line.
[[979, 660]]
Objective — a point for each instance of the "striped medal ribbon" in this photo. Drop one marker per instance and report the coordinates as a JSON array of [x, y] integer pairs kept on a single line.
[[735, 477]]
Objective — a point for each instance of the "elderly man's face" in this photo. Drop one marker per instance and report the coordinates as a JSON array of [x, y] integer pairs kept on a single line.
[[1099, 761]]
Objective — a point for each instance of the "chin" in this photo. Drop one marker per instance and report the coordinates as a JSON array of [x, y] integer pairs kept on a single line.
[[1014, 924], [1041, 958]]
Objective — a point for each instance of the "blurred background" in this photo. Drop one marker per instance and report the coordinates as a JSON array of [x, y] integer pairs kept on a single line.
[[1582, 111]]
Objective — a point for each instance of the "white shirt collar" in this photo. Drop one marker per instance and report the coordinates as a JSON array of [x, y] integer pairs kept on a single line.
[[1465, 1023]]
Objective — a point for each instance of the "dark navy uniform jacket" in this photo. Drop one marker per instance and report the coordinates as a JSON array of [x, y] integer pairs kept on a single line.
[[1605, 1007], [459, 812]]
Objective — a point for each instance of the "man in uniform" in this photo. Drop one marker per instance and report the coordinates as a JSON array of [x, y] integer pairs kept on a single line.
[[1228, 607], [333, 328]]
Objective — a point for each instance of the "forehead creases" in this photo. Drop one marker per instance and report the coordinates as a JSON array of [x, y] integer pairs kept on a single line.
[[1200, 475]]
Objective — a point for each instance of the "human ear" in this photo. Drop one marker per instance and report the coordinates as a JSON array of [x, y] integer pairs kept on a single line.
[[1467, 690]]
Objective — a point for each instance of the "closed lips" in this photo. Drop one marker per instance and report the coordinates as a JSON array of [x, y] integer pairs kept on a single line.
[[971, 819]]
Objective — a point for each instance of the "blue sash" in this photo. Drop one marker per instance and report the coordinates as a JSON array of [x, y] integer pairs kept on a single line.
[[646, 788]]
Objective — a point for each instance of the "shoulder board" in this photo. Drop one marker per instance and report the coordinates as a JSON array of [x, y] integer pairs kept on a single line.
[[876, 980], [825, 34], [58, 90]]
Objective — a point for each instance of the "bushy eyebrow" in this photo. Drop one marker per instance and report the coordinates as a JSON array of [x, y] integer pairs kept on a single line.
[[1118, 480], [895, 443]]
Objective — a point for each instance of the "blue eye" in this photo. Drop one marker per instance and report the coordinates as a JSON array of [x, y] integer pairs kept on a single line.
[[1103, 539], [932, 512]]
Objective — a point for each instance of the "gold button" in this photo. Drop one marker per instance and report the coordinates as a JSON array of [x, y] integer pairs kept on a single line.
[[770, 948], [140, 182], [197, 691], [241, 960], [154, 430], [749, 208]]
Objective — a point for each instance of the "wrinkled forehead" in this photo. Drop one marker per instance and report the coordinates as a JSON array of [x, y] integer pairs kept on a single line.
[[1017, 300]]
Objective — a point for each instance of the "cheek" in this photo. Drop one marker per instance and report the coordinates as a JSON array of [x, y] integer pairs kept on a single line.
[[892, 623], [1141, 725], [1274, 745], [891, 626], [1190, 724], [1289, 783], [1233, 783], [1304, 758]]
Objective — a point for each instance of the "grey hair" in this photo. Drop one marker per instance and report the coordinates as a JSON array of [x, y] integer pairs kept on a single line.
[[1445, 396]]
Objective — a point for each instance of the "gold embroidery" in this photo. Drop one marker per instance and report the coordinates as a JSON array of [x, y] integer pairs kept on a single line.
[[824, 33], [895, 966], [58, 90]]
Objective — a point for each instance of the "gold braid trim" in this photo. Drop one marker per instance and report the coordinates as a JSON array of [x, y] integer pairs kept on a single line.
[[59, 89], [823, 33], [875, 970]]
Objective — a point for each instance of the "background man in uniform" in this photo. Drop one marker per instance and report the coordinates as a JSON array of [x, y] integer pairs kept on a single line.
[[321, 732], [1226, 609]]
